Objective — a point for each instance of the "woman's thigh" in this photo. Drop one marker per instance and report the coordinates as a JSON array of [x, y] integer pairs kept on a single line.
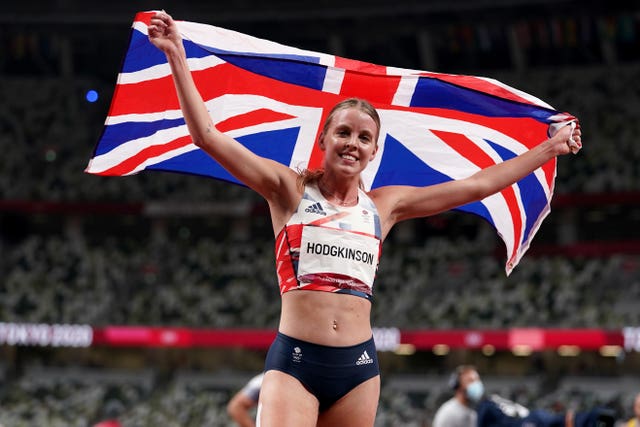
[[284, 402], [355, 409]]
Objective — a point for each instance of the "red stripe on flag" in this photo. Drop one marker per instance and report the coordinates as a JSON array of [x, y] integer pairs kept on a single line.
[[377, 90], [368, 81], [549, 170], [144, 17], [525, 130], [359, 66], [159, 94], [226, 79], [252, 118], [130, 163], [466, 148], [145, 97], [472, 152], [317, 154]]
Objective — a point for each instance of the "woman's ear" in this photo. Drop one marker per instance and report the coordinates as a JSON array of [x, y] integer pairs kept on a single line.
[[321, 141]]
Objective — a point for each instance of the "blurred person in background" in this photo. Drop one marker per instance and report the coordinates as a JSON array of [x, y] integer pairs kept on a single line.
[[241, 404], [322, 368], [459, 410], [635, 421], [472, 407]]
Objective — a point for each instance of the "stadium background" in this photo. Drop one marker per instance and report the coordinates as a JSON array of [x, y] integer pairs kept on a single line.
[[169, 251]]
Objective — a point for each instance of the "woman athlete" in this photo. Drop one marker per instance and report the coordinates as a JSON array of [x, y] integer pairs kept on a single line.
[[322, 367]]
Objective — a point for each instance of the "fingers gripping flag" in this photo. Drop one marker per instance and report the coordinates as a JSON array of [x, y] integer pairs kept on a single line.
[[274, 99]]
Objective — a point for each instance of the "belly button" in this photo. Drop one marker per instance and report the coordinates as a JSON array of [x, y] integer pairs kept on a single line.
[[335, 325]]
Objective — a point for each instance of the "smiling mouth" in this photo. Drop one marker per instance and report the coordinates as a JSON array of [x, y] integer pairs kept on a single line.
[[348, 157]]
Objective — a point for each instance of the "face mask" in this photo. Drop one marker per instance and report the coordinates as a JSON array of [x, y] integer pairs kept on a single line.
[[475, 390]]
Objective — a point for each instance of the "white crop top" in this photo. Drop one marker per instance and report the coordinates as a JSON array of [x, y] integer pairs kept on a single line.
[[329, 248]]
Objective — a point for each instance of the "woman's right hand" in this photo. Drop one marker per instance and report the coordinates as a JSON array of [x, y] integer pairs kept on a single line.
[[164, 34]]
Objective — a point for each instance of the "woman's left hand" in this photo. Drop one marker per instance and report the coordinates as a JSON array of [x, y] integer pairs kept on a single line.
[[568, 138]]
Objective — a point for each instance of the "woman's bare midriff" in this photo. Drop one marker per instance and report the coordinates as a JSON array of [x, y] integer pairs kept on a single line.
[[325, 318]]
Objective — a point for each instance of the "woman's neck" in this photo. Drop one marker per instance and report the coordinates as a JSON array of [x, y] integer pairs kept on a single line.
[[345, 197]]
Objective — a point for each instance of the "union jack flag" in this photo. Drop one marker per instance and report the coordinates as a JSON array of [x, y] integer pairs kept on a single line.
[[274, 98]]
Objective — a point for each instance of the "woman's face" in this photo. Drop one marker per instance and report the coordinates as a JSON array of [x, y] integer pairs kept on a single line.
[[350, 141]]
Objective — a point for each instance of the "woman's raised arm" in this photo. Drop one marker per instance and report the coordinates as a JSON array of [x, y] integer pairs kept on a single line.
[[274, 181], [397, 203]]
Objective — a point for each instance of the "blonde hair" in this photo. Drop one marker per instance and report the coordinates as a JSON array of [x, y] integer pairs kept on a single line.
[[307, 176]]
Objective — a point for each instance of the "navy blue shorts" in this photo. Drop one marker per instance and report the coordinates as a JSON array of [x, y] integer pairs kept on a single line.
[[327, 372]]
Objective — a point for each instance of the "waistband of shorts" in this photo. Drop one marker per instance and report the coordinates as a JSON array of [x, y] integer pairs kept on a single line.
[[346, 349]]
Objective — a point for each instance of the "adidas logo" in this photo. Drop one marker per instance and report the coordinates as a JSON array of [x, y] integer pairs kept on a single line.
[[316, 208], [364, 359]]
